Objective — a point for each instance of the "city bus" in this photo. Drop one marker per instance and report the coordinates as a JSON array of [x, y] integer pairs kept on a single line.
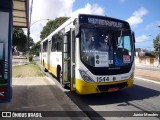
[[91, 54]]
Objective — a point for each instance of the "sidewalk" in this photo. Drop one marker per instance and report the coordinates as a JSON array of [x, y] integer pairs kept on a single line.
[[148, 73], [40, 94], [149, 67]]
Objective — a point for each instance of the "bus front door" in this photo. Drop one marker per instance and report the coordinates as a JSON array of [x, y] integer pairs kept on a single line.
[[68, 60], [49, 54], [72, 62]]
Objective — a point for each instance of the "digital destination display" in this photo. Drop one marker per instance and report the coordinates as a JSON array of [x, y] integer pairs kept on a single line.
[[102, 20], [105, 22]]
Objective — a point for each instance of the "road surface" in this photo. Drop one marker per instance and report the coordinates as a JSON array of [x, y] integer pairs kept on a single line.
[[142, 98]]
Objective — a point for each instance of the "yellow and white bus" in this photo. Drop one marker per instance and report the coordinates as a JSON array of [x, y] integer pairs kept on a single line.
[[91, 54]]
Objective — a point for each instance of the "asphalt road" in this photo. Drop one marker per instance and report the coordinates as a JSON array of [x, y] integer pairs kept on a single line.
[[141, 99], [143, 96]]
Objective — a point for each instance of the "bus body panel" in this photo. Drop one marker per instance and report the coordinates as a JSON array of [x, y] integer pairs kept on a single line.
[[100, 83], [122, 81], [83, 87], [56, 59], [44, 60]]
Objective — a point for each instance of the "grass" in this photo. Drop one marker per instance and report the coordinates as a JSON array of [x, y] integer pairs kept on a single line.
[[20, 57], [28, 70]]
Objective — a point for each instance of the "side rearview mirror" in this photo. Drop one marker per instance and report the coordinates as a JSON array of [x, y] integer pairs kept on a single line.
[[133, 37]]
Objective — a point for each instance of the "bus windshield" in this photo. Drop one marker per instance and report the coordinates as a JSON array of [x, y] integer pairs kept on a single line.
[[106, 48]]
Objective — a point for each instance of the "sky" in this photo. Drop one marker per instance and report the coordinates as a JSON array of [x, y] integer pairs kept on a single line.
[[142, 15]]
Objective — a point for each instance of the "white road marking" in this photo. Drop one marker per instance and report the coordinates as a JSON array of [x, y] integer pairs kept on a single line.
[[147, 80]]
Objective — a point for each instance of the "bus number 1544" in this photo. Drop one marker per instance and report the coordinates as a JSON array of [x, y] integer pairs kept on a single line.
[[102, 79]]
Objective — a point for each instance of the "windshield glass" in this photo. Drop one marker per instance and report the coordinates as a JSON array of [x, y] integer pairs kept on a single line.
[[106, 48]]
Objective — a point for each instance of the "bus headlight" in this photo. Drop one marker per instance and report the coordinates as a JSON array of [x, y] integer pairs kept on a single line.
[[85, 76]]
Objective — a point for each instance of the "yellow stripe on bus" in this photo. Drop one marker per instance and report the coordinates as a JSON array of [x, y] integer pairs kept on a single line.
[[83, 87]]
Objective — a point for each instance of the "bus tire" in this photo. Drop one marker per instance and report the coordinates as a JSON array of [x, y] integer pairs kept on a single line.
[[45, 70], [58, 73]]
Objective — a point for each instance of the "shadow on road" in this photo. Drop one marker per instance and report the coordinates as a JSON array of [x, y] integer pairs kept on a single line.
[[135, 93], [124, 96], [127, 95]]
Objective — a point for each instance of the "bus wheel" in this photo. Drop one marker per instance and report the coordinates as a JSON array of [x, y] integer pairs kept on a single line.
[[58, 73], [45, 70]]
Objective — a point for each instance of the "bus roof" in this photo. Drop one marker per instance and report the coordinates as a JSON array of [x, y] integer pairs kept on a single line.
[[92, 19]]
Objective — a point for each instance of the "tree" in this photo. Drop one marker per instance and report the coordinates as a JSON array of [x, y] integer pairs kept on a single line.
[[51, 26], [19, 39], [31, 42], [35, 48], [156, 42]]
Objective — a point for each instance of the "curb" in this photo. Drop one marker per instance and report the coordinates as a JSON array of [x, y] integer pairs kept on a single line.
[[148, 80]]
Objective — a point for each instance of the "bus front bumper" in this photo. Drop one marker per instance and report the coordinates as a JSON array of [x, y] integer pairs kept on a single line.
[[83, 87]]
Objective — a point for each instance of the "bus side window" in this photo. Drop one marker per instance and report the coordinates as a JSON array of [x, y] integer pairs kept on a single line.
[[59, 46], [54, 44], [45, 46], [59, 41]]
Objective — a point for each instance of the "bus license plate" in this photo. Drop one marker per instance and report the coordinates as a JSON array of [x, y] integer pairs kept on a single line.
[[113, 89]]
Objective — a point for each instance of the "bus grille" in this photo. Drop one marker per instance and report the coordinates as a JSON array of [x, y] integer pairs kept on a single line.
[[106, 87]]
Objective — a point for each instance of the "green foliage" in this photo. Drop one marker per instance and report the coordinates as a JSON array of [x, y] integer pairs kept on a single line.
[[51, 26], [35, 48], [30, 57], [31, 42], [19, 39], [156, 42], [137, 49]]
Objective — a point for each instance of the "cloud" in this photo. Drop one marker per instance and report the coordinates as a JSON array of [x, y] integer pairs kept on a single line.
[[153, 25], [48, 9], [136, 17], [51, 9], [90, 9], [142, 38]]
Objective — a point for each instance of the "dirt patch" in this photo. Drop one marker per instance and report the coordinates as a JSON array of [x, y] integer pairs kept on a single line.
[[148, 74]]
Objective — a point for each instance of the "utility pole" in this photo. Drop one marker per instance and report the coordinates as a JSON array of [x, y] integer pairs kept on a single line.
[[28, 34], [158, 47]]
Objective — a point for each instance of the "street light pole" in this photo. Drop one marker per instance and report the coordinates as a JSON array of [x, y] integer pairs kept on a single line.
[[158, 47], [28, 34]]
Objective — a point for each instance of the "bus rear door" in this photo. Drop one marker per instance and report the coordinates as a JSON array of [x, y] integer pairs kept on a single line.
[[49, 54]]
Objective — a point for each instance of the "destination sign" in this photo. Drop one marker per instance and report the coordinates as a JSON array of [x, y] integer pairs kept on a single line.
[[105, 22]]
